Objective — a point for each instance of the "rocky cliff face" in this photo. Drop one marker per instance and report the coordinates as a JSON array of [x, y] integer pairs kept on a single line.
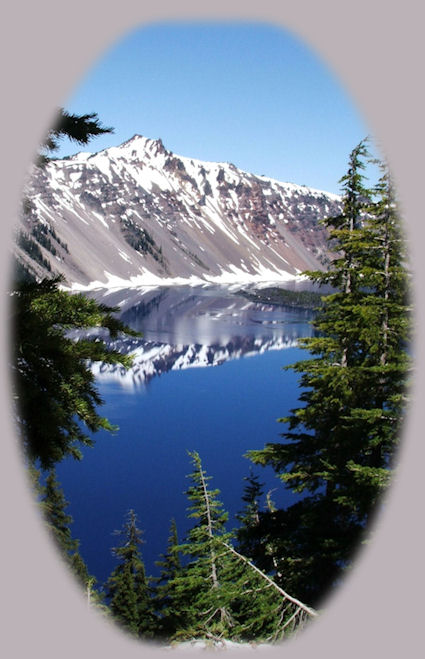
[[138, 214]]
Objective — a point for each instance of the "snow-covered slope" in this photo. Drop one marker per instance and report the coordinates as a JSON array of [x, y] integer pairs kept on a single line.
[[138, 214]]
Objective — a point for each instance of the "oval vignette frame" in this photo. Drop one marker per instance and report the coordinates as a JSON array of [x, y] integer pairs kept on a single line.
[[362, 615]]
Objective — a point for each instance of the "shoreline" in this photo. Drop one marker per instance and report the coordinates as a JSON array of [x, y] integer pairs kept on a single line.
[[116, 283]]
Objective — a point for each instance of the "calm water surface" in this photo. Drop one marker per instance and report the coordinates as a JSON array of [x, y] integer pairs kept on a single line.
[[207, 376]]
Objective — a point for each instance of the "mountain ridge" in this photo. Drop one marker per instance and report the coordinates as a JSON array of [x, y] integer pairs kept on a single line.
[[138, 214]]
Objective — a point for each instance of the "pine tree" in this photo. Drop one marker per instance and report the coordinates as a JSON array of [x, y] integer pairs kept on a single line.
[[53, 506], [251, 495], [225, 596], [80, 570], [170, 610], [199, 585], [249, 517], [339, 445], [386, 324], [127, 588], [54, 386]]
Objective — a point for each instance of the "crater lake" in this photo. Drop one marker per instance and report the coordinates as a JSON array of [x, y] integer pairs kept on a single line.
[[207, 376]]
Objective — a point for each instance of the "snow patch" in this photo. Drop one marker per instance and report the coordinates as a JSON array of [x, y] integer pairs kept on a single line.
[[234, 276]]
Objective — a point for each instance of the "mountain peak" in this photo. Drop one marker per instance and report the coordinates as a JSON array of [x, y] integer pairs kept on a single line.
[[139, 146]]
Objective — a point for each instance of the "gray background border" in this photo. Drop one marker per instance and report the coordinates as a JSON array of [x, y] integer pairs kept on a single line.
[[376, 48]]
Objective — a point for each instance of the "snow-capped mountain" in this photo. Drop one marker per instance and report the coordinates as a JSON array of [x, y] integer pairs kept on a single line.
[[138, 214]]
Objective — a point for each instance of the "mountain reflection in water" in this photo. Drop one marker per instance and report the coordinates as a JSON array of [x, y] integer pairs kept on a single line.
[[187, 327]]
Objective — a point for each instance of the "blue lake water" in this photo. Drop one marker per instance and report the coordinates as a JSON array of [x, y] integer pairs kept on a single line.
[[208, 377]]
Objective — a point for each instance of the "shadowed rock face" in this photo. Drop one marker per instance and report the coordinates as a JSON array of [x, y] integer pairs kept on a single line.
[[138, 213]]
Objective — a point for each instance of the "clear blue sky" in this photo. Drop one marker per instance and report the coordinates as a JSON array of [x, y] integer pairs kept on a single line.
[[250, 94]]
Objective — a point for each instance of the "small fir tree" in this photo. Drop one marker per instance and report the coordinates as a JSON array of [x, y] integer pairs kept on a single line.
[[249, 516], [58, 521], [199, 585], [251, 496], [127, 589], [167, 604], [53, 506]]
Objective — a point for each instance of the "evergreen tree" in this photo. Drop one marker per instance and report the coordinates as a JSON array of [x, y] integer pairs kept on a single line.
[[262, 610], [167, 604], [127, 588], [385, 329], [199, 586], [53, 506], [80, 570], [54, 385], [58, 521], [95, 597], [249, 517], [252, 492], [224, 595], [339, 445]]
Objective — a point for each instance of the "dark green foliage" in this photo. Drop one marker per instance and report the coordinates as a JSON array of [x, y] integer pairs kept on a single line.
[[22, 273], [40, 233], [252, 493], [25, 242], [53, 505], [138, 238], [78, 128], [53, 384], [58, 521], [127, 589], [281, 296], [79, 568], [141, 240], [219, 593], [194, 257], [43, 235], [199, 586], [304, 547], [340, 443], [167, 602], [249, 517]]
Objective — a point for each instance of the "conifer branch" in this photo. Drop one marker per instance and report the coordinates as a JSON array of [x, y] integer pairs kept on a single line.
[[297, 603]]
